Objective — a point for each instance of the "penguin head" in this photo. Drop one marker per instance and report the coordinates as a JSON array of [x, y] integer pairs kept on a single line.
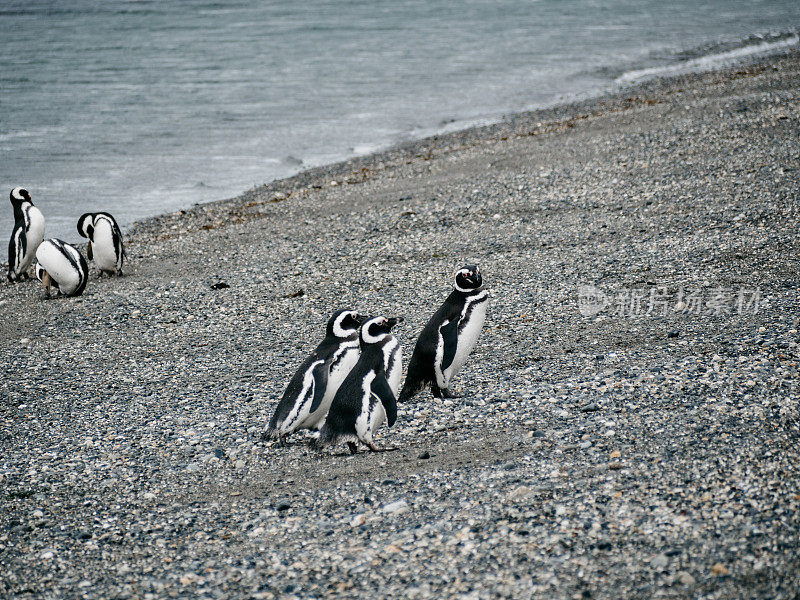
[[468, 278], [20, 195], [377, 329], [344, 323], [86, 225]]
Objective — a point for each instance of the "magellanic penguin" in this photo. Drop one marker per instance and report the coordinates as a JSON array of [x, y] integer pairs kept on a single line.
[[62, 267], [28, 233], [308, 396], [105, 241], [368, 395], [446, 341]]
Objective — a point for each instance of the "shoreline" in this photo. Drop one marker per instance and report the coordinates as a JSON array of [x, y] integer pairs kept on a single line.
[[630, 415], [527, 123]]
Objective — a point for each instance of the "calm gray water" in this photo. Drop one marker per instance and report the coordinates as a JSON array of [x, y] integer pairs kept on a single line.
[[140, 108]]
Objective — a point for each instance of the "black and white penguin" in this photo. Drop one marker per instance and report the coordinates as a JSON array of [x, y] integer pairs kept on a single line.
[[28, 233], [308, 396], [105, 241], [447, 339], [62, 267], [368, 395]]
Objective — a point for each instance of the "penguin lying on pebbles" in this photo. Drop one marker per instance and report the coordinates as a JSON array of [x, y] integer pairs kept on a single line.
[[446, 341], [105, 241], [26, 236], [308, 396], [368, 395], [62, 267]]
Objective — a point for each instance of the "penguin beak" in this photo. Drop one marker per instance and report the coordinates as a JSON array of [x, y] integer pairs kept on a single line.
[[394, 321]]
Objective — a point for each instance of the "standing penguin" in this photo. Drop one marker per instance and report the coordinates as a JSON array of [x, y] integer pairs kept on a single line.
[[105, 241], [448, 338], [368, 395], [308, 396], [62, 267], [28, 233]]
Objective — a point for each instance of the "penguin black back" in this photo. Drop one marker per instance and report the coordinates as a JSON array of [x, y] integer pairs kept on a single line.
[[305, 401], [438, 346], [366, 397]]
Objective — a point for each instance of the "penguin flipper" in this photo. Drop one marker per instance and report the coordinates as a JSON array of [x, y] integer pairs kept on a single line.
[[320, 374], [89, 250], [449, 335], [381, 389]]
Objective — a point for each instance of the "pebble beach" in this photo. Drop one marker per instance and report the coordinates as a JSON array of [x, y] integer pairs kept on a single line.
[[629, 426]]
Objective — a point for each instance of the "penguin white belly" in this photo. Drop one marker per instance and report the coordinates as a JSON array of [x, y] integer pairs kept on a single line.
[[103, 246], [372, 414], [393, 365], [34, 223], [378, 416], [344, 360], [59, 267], [467, 338], [300, 412]]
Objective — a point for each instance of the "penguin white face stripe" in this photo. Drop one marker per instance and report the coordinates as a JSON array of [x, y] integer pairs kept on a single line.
[[338, 329], [367, 336]]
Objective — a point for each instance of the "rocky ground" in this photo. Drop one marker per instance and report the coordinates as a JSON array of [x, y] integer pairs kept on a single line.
[[636, 437]]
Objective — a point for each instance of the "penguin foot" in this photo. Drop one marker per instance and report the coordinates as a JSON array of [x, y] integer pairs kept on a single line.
[[373, 448], [353, 447], [444, 392]]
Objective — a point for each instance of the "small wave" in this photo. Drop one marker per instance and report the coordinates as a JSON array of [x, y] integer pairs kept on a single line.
[[707, 62]]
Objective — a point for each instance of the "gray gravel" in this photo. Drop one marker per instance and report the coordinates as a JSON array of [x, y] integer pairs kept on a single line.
[[601, 456]]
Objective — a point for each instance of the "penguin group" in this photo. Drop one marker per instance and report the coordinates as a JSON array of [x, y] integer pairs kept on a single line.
[[350, 384], [345, 389], [60, 266]]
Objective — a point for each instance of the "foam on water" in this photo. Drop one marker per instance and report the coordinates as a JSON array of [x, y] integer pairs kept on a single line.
[[708, 62]]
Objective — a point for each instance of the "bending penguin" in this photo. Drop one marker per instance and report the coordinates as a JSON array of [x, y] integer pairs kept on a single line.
[[368, 395], [28, 233], [308, 396], [62, 267], [105, 241], [446, 341]]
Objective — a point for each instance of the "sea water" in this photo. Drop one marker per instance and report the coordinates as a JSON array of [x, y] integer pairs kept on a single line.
[[139, 108]]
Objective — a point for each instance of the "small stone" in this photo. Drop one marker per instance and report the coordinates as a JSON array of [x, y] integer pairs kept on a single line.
[[592, 407], [660, 562], [615, 466], [519, 493], [673, 334], [614, 454], [425, 455], [283, 505], [396, 508], [193, 467], [47, 555], [719, 569], [358, 520], [685, 578]]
